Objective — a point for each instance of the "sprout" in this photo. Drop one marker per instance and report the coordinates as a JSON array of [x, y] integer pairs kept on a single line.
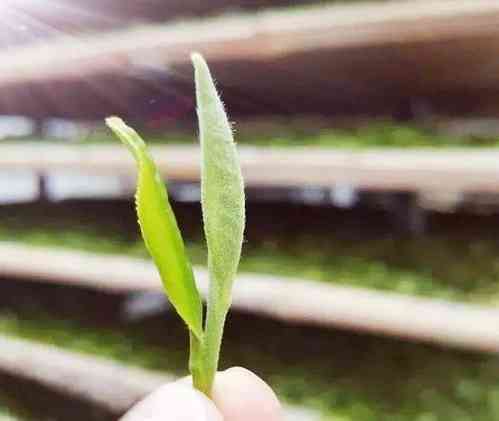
[[223, 217]]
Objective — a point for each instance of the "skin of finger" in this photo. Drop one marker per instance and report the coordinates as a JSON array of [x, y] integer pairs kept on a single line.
[[174, 402], [241, 395]]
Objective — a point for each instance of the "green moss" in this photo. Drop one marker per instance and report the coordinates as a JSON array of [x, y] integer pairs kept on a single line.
[[434, 266], [348, 377], [345, 376], [10, 410], [7, 415], [376, 134]]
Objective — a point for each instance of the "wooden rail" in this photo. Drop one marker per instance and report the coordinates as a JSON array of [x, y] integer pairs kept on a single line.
[[388, 170], [242, 37], [321, 59], [457, 325], [104, 383], [107, 384]]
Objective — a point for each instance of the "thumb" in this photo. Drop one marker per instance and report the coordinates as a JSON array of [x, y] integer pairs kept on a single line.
[[242, 396], [174, 402]]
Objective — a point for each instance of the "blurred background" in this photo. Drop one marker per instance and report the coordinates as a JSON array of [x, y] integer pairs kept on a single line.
[[368, 135]]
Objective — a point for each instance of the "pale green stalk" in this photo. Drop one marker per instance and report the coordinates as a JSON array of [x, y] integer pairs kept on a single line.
[[217, 310]]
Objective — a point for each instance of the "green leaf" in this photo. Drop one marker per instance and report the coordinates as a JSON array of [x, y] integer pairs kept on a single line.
[[160, 231], [222, 201], [221, 182]]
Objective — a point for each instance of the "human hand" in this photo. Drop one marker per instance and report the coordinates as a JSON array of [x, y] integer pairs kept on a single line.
[[238, 395]]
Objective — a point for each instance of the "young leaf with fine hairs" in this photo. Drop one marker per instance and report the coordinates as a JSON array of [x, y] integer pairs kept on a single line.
[[223, 216], [223, 211], [160, 231]]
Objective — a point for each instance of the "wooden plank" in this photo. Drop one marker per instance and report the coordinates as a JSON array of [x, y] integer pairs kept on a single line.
[[104, 383], [92, 15], [388, 170], [464, 326], [383, 53], [241, 37]]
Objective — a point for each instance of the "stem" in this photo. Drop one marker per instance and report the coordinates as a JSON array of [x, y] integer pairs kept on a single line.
[[196, 363], [205, 353], [215, 320]]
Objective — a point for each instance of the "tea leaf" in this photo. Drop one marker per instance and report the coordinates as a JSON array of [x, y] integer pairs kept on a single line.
[[160, 231], [221, 182], [222, 201]]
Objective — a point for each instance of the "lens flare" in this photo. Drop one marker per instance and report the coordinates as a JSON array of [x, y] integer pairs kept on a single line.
[[24, 21]]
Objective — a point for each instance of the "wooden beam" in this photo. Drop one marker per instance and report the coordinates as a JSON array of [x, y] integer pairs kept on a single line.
[[104, 383], [456, 170], [463, 326], [101, 382], [340, 58], [242, 37]]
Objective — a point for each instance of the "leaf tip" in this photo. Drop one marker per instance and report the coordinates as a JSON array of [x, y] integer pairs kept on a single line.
[[202, 73], [197, 59], [126, 134], [114, 121]]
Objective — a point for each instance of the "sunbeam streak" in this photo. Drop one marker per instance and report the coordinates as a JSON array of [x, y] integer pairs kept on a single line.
[[25, 21]]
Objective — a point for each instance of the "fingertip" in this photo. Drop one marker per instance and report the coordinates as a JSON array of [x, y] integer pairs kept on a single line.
[[241, 395], [174, 402]]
